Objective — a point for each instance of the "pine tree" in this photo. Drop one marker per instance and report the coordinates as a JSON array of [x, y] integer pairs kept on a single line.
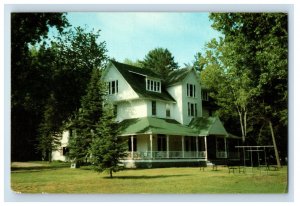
[[87, 119], [160, 61], [107, 147], [49, 130]]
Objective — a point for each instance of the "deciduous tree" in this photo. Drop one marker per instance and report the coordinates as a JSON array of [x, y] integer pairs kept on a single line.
[[255, 48], [28, 83]]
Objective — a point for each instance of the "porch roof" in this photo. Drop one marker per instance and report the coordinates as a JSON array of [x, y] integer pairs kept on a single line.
[[151, 125], [208, 126]]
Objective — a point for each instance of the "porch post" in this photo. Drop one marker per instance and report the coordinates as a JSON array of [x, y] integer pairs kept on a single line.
[[205, 145], [182, 146], [167, 146], [197, 147], [131, 146], [226, 155], [217, 155], [238, 142], [151, 146]]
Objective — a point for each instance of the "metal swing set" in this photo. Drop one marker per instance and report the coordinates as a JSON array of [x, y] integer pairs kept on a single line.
[[258, 150]]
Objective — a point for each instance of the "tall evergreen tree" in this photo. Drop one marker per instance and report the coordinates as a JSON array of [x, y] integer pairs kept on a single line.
[[107, 147], [85, 123], [49, 136], [160, 61]]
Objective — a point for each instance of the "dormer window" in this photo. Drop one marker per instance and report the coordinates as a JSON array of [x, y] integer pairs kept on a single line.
[[153, 85], [113, 87]]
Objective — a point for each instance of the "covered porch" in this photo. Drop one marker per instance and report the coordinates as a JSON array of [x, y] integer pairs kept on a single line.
[[220, 144], [156, 138], [160, 146], [165, 139]]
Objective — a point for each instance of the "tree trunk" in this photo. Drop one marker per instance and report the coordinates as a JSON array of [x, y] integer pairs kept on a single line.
[[242, 126], [274, 144], [245, 124], [110, 173], [50, 156]]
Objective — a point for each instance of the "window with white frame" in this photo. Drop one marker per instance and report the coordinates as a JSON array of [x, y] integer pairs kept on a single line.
[[168, 110], [113, 87], [153, 85], [192, 109], [153, 108], [191, 90]]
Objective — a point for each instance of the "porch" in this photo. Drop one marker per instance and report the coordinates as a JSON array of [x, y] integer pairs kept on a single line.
[[159, 147], [165, 155], [165, 140]]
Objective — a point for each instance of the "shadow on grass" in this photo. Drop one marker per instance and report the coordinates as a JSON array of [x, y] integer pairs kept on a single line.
[[144, 177], [38, 168]]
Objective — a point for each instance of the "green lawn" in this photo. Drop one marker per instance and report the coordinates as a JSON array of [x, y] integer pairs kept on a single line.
[[57, 178]]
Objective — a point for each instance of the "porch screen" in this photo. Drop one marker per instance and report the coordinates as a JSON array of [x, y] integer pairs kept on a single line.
[[161, 143], [134, 144]]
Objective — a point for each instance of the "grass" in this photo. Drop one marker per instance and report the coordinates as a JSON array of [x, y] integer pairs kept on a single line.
[[57, 178]]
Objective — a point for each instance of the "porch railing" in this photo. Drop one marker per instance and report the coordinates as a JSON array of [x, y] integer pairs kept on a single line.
[[166, 155], [233, 155], [221, 154]]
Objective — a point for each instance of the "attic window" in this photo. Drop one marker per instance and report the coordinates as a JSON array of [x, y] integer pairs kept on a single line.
[[191, 90], [113, 87], [153, 85]]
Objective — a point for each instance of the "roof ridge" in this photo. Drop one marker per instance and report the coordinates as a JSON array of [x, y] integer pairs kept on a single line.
[[213, 122], [178, 75], [141, 70], [148, 122]]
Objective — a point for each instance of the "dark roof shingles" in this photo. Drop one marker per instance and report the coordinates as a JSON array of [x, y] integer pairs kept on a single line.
[[138, 83]]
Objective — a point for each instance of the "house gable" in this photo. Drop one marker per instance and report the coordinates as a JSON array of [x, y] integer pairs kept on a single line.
[[206, 126], [137, 79], [188, 105], [125, 91]]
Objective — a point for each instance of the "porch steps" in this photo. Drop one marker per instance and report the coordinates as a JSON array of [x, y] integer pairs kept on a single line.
[[213, 162], [209, 163]]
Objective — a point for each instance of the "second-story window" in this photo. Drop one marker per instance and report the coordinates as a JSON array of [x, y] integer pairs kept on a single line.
[[204, 96], [153, 108], [192, 109], [191, 90], [168, 110], [113, 87], [153, 85]]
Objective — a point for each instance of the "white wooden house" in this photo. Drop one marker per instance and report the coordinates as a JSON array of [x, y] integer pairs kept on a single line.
[[164, 122]]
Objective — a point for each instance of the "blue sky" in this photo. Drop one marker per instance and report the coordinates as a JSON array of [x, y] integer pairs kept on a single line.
[[133, 34]]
